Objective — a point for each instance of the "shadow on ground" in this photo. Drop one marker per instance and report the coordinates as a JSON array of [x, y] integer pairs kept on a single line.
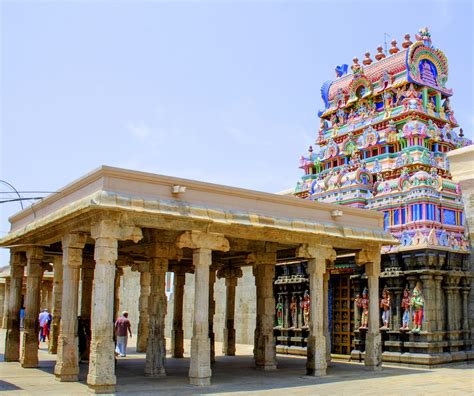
[[232, 374]]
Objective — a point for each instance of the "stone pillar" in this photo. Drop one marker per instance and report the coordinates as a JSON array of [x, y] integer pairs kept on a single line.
[[202, 244], [439, 307], [466, 289], [118, 276], [177, 335], [57, 303], [316, 363], [157, 303], [429, 309], [373, 343], [451, 288], [144, 318], [29, 356], [200, 369], [264, 272], [212, 310], [318, 257], [6, 301], [230, 274], [87, 276], [412, 280], [327, 336], [87, 283], [12, 337], [2, 300], [106, 232], [395, 287], [67, 362]]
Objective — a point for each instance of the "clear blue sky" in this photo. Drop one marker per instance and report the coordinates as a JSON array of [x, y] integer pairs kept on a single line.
[[225, 92]]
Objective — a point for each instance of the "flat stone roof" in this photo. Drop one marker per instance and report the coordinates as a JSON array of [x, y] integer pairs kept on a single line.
[[148, 201]]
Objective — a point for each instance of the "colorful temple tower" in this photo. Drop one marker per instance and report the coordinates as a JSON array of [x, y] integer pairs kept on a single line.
[[385, 130]]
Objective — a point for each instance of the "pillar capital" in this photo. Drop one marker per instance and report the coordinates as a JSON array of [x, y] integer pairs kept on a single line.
[[316, 252], [371, 259], [74, 240], [34, 253], [113, 229], [203, 240], [18, 259], [141, 266], [230, 272], [451, 281], [164, 250]]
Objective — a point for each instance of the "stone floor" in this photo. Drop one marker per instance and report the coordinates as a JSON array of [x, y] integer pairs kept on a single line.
[[236, 376]]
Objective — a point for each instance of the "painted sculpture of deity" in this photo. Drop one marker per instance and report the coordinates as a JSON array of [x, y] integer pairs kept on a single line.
[[417, 302], [293, 311], [306, 306], [363, 303], [406, 309], [279, 309], [385, 302]]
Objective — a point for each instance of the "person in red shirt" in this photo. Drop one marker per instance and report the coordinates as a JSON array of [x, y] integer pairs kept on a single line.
[[122, 326]]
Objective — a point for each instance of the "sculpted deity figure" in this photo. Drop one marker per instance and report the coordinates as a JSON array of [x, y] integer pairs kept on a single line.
[[293, 311], [306, 306], [279, 309], [417, 302], [385, 303], [406, 309], [363, 303]]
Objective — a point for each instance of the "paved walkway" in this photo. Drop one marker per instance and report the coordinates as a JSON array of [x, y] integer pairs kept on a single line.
[[236, 376]]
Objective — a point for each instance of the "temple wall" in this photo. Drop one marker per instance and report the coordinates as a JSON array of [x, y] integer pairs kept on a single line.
[[129, 295], [461, 164]]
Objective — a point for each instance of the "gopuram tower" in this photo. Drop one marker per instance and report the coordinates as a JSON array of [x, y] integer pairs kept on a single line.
[[386, 127]]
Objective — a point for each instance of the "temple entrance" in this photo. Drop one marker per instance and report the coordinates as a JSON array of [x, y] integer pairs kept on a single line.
[[341, 313]]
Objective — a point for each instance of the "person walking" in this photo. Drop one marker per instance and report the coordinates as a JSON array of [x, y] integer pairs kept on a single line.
[[122, 326], [22, 317], [44, 319]]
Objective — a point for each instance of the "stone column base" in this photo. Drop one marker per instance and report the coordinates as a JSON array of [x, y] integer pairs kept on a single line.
[[101, 389], [67, 377], [200, 381]]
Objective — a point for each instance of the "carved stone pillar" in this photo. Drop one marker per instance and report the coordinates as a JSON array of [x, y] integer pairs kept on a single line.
[[144, 317], [327, 336], [117, 281], [466, 289], [12, 338], [177, 336], [57, 303], [429, 308], [264, 272], [67, 362], [202, 244], [439, 307], [156, 347], [451, 288], [373, 345], [412, 279], [395, 287], [87, 275], [106, 232], [212, 310], [230, 274], [29, 356], [318, 257], [3, 304]]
